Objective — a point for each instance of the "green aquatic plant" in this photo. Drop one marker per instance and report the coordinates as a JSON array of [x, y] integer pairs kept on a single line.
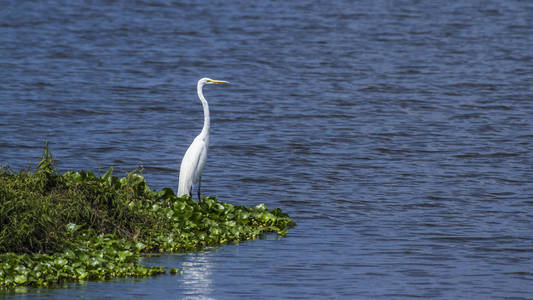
[[80, 226], [97, 258]]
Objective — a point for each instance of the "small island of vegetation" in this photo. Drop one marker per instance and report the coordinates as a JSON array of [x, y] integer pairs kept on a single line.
[[78, 226]]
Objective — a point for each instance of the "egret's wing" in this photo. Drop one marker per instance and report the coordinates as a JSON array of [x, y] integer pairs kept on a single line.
[[191, 166]]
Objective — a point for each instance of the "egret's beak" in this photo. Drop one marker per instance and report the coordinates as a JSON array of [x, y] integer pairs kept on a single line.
[[218, 81]]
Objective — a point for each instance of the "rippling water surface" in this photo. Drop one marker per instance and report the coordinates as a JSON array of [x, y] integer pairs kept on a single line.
[[397, 134]]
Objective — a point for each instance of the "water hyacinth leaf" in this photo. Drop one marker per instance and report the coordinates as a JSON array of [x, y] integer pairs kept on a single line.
[[261, 206], [165, 193], [60, 261], [179, 206], [71, 227], [125, 255], [107, 221], [170, 214], [243, 217], [20, 279], [140, 246], [20, 268], [69, 253]]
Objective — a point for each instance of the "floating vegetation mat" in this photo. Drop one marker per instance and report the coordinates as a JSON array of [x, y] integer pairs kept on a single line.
[[78, 226]]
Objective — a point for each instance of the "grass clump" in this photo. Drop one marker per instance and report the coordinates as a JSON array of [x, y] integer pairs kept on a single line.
[[79, 226]]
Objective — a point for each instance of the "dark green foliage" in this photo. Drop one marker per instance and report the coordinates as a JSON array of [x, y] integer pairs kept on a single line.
[[80, 226], [98, 258], [36, 207]]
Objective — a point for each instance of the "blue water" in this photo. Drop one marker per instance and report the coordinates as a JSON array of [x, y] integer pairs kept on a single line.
[[398, 135]]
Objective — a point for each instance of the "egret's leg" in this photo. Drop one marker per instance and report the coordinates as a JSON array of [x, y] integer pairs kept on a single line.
[[199, 183]]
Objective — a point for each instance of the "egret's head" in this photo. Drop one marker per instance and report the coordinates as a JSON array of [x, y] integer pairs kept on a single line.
[[210, 81]]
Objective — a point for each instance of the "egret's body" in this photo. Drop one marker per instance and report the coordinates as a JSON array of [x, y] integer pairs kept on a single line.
[[193, 161]]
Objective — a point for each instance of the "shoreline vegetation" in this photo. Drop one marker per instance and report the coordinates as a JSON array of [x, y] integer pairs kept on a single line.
[[78, 226]]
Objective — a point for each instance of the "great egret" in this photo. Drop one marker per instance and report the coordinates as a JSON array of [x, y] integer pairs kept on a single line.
[[193, 161]]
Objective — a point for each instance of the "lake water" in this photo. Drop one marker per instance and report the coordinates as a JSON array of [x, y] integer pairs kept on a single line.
[[397, 134]]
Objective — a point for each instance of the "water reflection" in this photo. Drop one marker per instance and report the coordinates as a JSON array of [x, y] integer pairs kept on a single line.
[[196, 279]]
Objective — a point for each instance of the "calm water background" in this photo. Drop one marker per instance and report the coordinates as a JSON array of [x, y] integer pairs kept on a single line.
[[397, 134]]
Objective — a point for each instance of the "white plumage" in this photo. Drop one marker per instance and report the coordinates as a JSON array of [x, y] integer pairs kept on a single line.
[[193, 161]]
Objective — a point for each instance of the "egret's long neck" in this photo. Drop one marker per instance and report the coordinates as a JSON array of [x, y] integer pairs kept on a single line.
[[207, 120]]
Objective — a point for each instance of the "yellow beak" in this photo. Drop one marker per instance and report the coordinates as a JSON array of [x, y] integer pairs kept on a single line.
[[218, 81]]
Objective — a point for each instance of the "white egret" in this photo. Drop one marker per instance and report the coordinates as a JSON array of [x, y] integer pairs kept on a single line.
[[193, 161]]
